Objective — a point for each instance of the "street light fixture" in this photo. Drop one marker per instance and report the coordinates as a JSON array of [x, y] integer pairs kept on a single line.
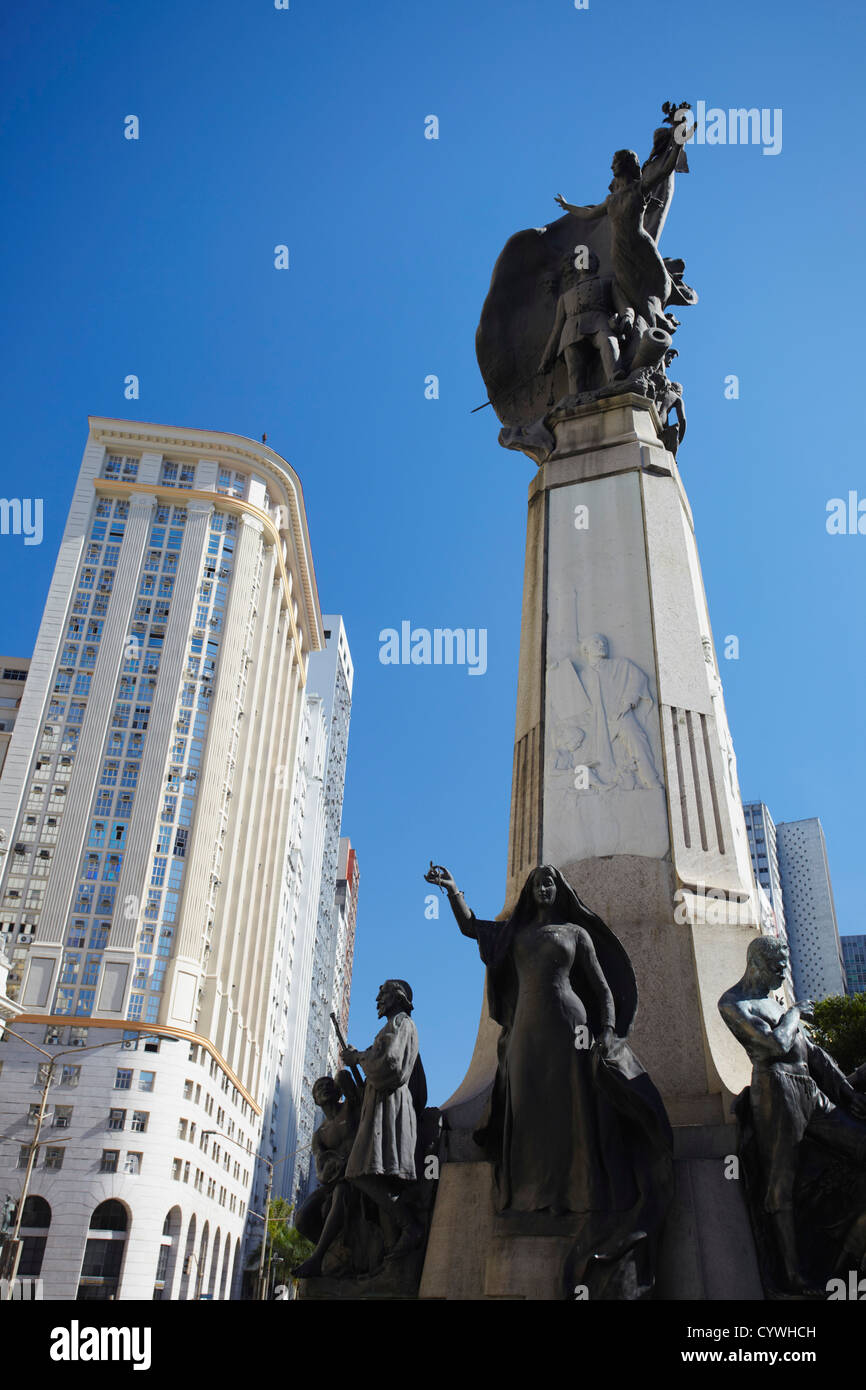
[[262, 1283]]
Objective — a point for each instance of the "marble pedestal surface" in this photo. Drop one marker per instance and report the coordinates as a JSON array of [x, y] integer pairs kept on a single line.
[[624, 771]]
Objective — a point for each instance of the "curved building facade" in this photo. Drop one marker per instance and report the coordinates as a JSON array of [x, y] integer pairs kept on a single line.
[[145, 897]]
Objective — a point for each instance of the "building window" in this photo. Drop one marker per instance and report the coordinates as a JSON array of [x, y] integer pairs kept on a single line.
[[85, 1002], [23, 1155], [116, 1119], [123, 1079], [109, 1160], [53, 1158], [162, 1268], [132, 1164], [139, 1120], [62, 1116], [70, 1076], [176, 1168], [64, 1001], [90, 974], [146, 1080]]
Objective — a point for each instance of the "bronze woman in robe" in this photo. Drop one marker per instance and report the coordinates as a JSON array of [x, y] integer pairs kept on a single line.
[[574, 1124], [642, 276]]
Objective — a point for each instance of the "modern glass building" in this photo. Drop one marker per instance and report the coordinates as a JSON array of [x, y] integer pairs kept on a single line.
[[854, 959]]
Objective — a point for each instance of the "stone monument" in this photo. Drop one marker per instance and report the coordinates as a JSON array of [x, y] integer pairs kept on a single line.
[[624, 774], [369, 1215], [802, 1137]]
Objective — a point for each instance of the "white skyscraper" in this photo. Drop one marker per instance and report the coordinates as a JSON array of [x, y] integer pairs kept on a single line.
[[813, 934], [306, 850], [331, 676], [147, 801], [761, 833]]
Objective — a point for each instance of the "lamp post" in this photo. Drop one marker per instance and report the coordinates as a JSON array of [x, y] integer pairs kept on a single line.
[[268, 1191], [48, 1070]]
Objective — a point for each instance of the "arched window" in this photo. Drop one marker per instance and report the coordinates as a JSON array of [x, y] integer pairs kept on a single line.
[[187, 1275], [35, 1220], [214, 1265], [109, 1216], [225, 1288], [202, 1260], [166, 1262], [103, 1253]]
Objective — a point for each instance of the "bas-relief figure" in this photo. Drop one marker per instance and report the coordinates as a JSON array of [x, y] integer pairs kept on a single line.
[[803, 1135], [597, 710], [574, 1126], [603, 793], [369, 1152], [593, 293]]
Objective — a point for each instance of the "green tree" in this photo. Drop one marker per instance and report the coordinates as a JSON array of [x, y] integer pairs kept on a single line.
[[286, 1246], [840, 1028]]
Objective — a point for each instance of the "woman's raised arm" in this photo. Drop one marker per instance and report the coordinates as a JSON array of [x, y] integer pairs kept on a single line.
[[587, 213], [666, 164], [465, 918]]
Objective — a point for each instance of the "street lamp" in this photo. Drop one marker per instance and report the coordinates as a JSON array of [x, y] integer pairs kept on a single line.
[[268, 1190]]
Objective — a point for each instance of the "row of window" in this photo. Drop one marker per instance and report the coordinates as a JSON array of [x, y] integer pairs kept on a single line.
[[169, 851], [133, 695], [180, 1172], [124, 1076], [89, 630]]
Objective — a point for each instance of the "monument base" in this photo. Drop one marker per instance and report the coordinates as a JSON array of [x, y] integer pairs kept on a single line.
[[397, 1279], [706, 1251]]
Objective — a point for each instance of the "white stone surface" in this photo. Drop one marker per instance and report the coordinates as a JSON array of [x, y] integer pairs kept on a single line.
[[602, 789]]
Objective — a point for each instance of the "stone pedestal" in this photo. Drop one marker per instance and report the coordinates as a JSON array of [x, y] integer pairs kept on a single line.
[[707, 1251], [625, 779]]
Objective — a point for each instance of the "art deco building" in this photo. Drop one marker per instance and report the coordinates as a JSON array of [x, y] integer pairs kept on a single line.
[[147, 900], [323, 968], [332, 675]]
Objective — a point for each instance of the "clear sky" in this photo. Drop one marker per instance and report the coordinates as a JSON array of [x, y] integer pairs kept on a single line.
[[305, 127]]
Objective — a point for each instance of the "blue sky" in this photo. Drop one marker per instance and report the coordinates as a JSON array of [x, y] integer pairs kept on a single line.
[[306, 127]]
